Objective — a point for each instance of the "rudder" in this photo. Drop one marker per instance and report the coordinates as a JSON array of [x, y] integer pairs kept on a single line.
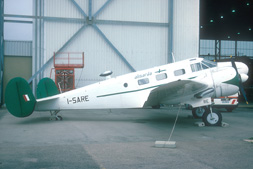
[[19, 98]]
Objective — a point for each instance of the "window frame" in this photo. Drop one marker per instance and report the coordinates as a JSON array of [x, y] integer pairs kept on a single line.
[[179, 72], [195, 67], [161, 76], [143, 81]]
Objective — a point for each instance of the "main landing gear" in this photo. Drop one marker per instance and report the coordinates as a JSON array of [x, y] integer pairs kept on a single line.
[[54, 116], [209, 117]]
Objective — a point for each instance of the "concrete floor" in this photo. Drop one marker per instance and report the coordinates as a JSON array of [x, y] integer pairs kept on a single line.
[[124, 139]]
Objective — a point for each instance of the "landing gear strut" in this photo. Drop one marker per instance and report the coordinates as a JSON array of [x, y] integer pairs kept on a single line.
[[54, 116], [211, 118]]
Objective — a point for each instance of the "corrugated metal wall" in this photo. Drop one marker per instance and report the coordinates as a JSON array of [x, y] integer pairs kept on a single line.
[[186, 29], [17, 48], [1, 49], [136, 10], [137, 30]]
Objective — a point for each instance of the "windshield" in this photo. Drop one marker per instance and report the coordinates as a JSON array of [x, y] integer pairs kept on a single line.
[[206, 64]]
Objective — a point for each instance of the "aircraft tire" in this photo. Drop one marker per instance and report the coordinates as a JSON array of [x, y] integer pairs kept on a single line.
[[198, 112], [212, 120], [59, 118]]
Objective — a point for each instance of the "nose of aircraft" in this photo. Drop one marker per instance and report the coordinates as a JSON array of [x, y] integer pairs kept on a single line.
[[242, 68]]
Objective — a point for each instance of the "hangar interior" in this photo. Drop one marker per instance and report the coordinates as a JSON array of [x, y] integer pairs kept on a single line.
[[117, 35]]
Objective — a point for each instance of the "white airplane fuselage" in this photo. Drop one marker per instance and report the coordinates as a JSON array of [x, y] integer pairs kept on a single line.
[[132, 90]]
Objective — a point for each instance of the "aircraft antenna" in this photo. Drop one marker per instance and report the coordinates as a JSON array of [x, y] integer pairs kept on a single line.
[[173, 57]]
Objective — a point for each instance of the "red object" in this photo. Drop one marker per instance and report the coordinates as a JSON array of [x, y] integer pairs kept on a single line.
[[233, 102], [69, 59], [65, 64], [26, 97], [65, 79]]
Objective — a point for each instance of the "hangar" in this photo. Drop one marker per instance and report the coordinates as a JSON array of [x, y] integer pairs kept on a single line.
[[117, 35], [123, 37]]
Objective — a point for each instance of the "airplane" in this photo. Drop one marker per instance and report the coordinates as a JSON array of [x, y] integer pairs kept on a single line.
[[193, 81]]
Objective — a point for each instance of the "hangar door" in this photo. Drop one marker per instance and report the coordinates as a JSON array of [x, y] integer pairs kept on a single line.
[[117, 35]]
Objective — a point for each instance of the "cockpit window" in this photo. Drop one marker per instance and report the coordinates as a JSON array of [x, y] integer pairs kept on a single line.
[[196, 67], [206, 64]]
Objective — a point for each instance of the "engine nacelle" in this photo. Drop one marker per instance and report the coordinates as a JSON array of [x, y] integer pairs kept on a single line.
[[224, 89]]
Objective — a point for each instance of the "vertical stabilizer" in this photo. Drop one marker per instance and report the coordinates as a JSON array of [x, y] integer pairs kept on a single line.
[[46, 88], [19, 98]]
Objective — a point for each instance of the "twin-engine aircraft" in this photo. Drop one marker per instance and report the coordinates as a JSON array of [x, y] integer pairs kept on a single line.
[[192, 81]]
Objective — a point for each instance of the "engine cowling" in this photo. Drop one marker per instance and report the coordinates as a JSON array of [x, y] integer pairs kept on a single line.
[[224, 89], [226, 81]]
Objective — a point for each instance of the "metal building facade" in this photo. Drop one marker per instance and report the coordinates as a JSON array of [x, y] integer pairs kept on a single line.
[[17, 48], [1, 48], [185, 29], [118, 35]]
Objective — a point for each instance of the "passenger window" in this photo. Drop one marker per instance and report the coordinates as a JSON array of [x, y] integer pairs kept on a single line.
[[161, 76], [179, 72], [196, 67], [143, 81]]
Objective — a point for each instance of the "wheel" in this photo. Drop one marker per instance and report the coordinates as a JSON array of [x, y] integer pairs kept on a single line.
[[59, 118], [212, 119], [198, 112]]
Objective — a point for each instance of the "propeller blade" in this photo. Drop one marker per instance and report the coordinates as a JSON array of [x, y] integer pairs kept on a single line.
[[240, 80], [233, 64], [243, 93]]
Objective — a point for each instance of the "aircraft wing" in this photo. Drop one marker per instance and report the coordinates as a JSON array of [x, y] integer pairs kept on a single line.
[[175, 92]]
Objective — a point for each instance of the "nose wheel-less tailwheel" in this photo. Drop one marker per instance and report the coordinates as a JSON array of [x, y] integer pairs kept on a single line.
[[54, 116], [211, 118]]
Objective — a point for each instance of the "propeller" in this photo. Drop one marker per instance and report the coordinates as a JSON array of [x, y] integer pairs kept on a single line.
[[239, 80]]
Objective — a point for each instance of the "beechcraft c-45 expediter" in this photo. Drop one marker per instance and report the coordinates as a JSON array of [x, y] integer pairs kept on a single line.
[[192, 81]]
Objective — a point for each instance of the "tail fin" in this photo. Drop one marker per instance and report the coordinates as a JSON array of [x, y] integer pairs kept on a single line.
[[46, 88], [19, 98]]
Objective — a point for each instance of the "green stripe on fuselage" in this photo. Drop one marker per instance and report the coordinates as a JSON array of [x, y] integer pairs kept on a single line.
[[131, 91]]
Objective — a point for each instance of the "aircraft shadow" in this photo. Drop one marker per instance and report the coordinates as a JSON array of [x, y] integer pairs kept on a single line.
[[142, 116]]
